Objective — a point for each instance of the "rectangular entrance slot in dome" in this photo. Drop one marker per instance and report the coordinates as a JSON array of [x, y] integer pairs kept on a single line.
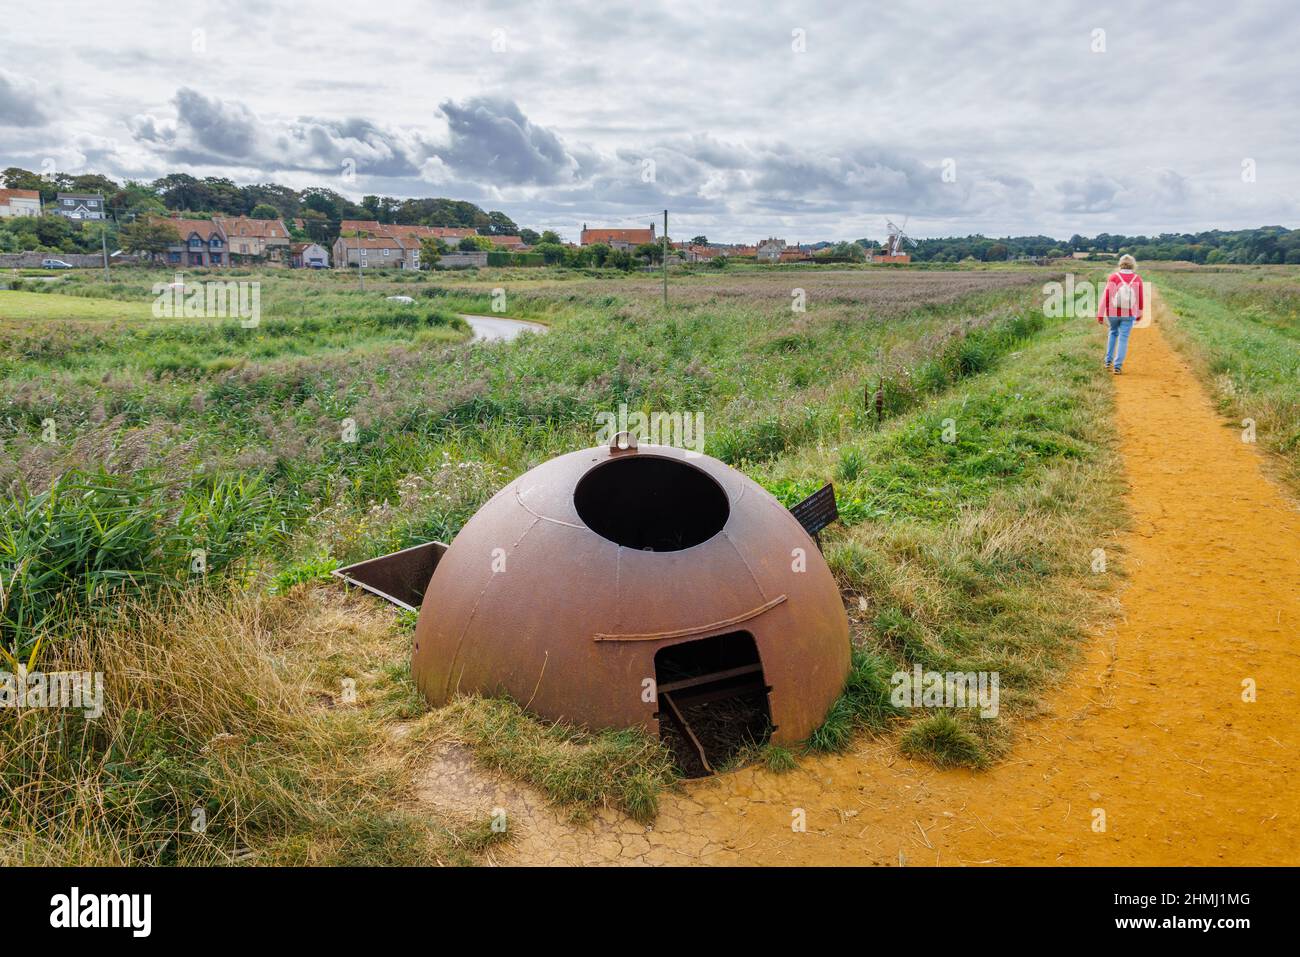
[[713, 700], [399, 577]]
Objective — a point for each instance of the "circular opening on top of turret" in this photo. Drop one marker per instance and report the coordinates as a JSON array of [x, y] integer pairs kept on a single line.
[[651, 504]]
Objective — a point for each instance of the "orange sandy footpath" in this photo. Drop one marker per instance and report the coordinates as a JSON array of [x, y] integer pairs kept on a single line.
[[1152, 730]]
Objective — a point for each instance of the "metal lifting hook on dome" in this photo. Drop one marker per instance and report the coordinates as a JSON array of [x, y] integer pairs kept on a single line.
[[629, 445]]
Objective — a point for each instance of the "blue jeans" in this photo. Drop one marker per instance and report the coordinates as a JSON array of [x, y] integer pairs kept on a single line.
[[1117, 341]]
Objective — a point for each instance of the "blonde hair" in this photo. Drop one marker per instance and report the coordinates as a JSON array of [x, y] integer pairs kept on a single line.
[[1127, 262]]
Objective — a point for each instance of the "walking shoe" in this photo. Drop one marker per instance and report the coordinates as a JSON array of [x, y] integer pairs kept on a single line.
[[1107, 363], [1118, 371]]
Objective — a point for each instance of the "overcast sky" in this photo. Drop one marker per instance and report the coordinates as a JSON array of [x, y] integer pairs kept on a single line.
[[805, 121]]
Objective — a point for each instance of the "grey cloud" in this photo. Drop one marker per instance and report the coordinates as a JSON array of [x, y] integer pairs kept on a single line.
[[225, 129], [212, 131], [1091, 194], [22, 103], [492, 137]]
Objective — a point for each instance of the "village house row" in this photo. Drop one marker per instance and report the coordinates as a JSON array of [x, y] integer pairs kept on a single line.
[[368, 244]]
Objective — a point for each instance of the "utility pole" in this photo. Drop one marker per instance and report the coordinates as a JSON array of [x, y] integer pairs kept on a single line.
[[103, 236], [665, 259]]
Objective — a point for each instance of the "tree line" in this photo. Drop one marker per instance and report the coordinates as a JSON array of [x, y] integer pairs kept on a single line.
[[1262, 246], [322, 210]]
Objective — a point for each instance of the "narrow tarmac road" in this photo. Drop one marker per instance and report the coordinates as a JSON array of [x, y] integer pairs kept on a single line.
[[498, 328]]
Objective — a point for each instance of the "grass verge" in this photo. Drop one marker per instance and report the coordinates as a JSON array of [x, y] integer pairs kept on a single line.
[[972, 548], [1242, 333]]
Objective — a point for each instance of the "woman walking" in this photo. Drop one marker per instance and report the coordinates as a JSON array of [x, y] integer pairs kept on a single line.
[[1121, 305]]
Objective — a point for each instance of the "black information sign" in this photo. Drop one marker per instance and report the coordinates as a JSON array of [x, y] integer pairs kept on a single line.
[[817, 510]]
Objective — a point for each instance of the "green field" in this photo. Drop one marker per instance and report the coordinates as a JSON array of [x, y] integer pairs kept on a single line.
[[969, 511]]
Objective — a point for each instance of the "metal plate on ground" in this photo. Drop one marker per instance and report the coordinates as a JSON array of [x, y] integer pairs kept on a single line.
[[399, 577]]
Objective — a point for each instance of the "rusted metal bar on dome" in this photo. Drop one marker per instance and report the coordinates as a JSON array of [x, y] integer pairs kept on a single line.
[[695, 629], [680, 720]]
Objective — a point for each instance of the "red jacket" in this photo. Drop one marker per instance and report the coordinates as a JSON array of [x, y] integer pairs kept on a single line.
[[1108, 307]]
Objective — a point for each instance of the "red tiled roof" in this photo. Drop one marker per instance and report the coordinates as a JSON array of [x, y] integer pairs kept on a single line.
[[187, 227], [8, 194], [409, 231], [705, 252], [633, 236], [450, 232], [352, 226], [242, 226], [373, 242]]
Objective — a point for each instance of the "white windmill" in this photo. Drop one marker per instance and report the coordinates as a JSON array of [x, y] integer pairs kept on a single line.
[[898, 240]]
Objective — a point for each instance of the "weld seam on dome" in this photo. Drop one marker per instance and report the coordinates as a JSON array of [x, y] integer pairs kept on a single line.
[[745, 562], [469, 619], [545, 518], [694, 629]]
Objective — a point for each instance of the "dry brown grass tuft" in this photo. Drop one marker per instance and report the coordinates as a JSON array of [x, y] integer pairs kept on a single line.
[[228, 710]]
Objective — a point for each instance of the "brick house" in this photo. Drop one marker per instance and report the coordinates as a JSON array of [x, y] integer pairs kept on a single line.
[[202, 243], [375, 252], [256, 238], [769, 250], [625, 239], [695, 253], [20, 202]]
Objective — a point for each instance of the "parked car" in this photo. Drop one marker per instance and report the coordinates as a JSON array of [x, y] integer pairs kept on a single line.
[[55, 264]]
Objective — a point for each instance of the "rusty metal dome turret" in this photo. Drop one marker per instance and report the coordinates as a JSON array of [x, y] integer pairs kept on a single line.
[[613, 587]]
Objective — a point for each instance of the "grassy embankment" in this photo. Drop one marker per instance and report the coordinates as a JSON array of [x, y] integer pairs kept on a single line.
[[1241, 328], [967, 555]]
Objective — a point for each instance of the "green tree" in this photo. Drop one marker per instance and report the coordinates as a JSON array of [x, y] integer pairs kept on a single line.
[[431, 250], [54, 232], [552, 253], [318, 227], [530, 236], [850, 251], [148, 235], [699, 240], [599, 253], [17, 178], [264, 211], [499, 224], [551, 236], [650, 252]]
